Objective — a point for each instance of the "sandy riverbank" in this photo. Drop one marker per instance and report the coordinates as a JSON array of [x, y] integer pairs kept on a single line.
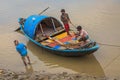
[[42, 75]]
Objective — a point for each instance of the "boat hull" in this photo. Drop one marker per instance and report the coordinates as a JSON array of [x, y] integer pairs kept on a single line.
[[37, 27], [66, 52]]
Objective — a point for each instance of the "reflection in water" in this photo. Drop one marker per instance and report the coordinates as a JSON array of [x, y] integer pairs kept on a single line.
[[87, 64]]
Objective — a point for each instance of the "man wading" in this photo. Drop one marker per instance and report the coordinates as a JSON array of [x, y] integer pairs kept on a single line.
[[22, 49]]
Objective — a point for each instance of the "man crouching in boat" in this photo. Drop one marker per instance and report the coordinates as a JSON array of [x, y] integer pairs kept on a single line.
[[84, 38], [22, 49]]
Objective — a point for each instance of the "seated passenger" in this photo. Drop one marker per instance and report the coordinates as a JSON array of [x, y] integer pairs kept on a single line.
[[84, 38]]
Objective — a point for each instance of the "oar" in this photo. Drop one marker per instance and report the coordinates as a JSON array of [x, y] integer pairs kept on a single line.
[[44, 10], [67, 46], [39, 14], [49, 37], [17, 29], [73, 25]]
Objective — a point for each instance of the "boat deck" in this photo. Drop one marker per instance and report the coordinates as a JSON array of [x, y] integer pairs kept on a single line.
[[63, 38]]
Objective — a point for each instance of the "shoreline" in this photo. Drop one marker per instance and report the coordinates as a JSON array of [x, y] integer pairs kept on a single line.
[[42, 75]]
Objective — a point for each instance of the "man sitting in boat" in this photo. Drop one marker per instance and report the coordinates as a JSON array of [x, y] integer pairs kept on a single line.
[[83, 36]]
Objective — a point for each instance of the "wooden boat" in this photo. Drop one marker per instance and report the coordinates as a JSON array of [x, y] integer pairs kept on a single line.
[[48, 33]]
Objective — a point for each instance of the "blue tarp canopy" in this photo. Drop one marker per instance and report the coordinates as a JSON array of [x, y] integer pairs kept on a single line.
[[31, 24]]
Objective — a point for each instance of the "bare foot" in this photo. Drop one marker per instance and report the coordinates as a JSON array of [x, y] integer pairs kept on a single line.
[[29, 63]]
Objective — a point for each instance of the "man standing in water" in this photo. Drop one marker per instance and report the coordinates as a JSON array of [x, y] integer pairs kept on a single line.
[[22, 49], [65, 19]]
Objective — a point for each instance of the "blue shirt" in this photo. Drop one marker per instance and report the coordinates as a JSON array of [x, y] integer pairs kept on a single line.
[[21, 49]]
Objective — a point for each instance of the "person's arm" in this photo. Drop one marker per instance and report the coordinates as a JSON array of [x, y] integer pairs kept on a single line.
[[68, 17], [25, 46], [81, 33], [77, 34], [17, 50], [61, 18]]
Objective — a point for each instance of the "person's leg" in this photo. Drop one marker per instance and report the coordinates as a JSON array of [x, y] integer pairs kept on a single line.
[[28, 59], [86, 39], [82, 40], [67, 28], [24, 61]]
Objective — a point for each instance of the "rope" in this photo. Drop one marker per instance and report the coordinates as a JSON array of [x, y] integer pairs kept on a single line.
[[108, 44], [101, 43]]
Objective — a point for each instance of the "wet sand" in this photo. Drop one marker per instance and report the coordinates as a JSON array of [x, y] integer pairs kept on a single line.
[[9, 75], [99, 18]]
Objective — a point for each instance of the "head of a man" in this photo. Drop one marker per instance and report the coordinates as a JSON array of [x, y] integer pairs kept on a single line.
[[79, 28], [63, 11], [16, 42]]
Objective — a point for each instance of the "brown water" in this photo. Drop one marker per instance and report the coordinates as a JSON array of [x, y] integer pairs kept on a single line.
[[100, 18]]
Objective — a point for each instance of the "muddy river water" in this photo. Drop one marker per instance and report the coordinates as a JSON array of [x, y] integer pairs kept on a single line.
[[101, 18]]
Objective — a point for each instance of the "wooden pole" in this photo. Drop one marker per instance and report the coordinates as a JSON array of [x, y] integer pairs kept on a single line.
[[53, 24], [41, 29]]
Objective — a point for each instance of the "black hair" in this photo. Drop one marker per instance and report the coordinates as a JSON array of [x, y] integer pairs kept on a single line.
[[79, 27], [62, 10], [15, 40]]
